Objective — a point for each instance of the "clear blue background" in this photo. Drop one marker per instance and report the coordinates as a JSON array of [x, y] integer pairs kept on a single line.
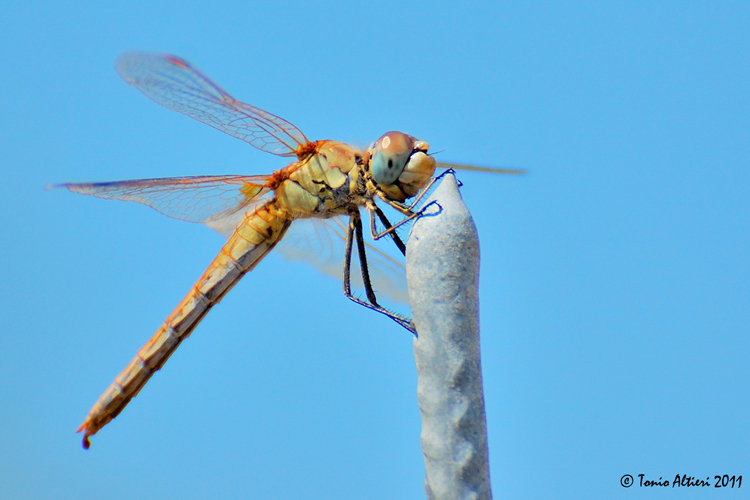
[[615, 277]]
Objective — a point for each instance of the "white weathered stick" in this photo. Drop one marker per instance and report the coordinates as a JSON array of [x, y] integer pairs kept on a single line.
[[442, 270]]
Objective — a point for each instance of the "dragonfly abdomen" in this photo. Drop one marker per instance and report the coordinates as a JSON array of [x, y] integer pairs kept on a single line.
[[253, 238]]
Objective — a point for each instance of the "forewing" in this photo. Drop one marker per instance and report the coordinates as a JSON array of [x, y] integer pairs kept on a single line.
[[474, 168], [175, 84], [208, 199], [322, 243]]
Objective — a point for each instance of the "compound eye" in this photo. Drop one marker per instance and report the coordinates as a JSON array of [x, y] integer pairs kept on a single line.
[[389, 157]]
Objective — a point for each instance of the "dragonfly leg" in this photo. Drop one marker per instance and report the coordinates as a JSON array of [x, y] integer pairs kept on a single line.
[[375, 210], [408, 209], [391, 228], [401, 207], [429, 185], [355, 232]]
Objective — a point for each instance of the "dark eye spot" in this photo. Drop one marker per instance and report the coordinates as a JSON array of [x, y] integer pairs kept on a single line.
[[323, 155], [390, 163]]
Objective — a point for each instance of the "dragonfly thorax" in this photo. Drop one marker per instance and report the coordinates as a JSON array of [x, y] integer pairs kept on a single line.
[[323, 185]]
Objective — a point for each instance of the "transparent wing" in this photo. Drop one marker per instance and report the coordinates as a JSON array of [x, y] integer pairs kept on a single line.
[[207, 199], [322, 242], [474, 168], [175, 84]]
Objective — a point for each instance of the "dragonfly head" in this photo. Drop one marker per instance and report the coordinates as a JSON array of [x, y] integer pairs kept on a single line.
[[400, 165]]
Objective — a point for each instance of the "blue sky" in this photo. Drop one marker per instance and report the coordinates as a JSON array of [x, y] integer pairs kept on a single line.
[[615, 278]]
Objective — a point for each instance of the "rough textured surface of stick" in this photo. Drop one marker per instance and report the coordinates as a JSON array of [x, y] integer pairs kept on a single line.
[[442, 269]]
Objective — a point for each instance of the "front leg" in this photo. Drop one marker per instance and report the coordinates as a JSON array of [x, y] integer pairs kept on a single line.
[[391, 228]]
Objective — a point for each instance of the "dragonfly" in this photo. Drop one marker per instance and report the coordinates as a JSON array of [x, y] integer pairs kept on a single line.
[[326, 180]]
